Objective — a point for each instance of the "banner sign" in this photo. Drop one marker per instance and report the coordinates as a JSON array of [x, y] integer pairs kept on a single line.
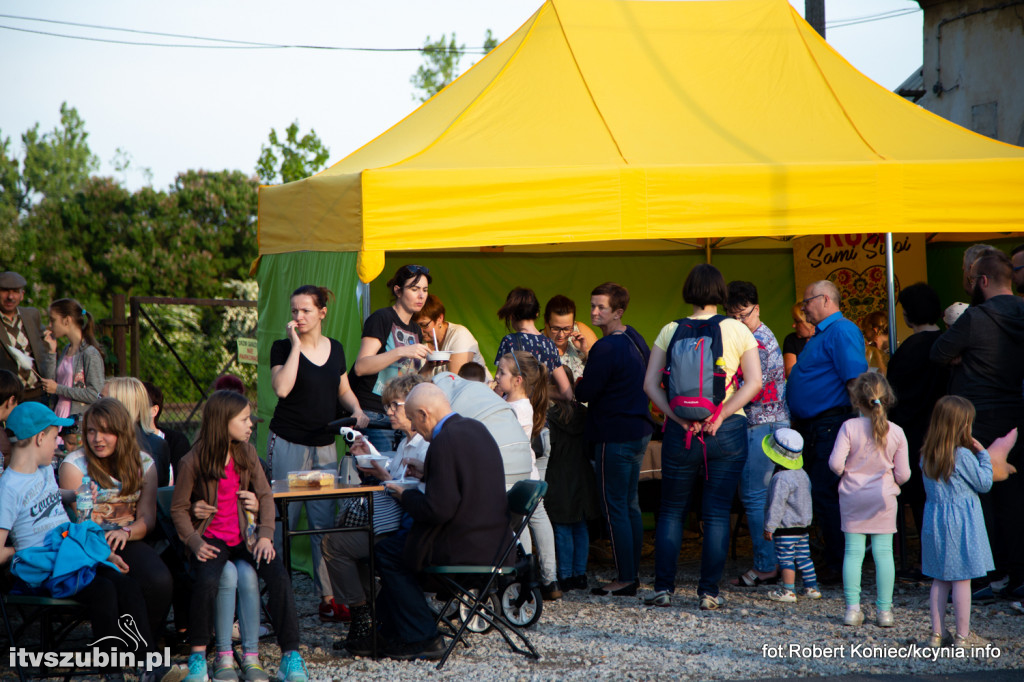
[[247, 354], [855, 263]]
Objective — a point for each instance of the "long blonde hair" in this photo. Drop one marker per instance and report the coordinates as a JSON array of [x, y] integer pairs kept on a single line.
[[125, 464], [873, 396], [950, 428], [132, 393]]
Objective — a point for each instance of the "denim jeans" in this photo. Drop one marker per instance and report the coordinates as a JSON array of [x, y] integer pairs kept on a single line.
[[572, 546], [618, 475], [682, 469], [819, 439], [757, 474], [238, 577]]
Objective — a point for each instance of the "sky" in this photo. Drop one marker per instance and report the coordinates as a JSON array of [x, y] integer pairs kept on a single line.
[[173, 109]]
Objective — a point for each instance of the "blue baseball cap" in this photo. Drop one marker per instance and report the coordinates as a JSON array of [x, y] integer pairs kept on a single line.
[[28, 419]]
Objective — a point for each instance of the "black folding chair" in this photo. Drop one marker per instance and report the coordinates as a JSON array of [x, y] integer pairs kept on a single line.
[[476, 600]]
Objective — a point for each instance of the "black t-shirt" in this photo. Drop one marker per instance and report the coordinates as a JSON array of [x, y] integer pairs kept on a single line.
[[918, 384], [793, 343], [387, 327], [301, 416]]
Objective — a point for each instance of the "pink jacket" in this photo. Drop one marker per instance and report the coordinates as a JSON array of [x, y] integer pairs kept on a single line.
[[871, 478]]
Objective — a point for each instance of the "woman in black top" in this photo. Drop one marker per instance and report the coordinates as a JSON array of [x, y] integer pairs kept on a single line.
[[307, 372], [917, 382], [795, 342], [391, 346]]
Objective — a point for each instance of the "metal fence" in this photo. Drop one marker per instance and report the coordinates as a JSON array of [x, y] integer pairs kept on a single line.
[[182, 345]]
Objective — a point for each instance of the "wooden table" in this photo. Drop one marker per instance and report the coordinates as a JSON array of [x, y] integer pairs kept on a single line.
[[285, 494]]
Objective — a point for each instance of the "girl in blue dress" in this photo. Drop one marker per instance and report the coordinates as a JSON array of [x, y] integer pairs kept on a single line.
[[954, 544]]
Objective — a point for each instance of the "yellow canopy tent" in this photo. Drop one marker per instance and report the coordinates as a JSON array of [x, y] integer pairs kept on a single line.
[[620, 120]]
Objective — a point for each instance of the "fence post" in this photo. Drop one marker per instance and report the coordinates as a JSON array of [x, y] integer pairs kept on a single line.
[[119, 335], [134, 320]]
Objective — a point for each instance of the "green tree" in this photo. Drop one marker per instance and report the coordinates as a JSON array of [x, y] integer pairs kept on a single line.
[[441, 64], [293, 158], [55, 164]]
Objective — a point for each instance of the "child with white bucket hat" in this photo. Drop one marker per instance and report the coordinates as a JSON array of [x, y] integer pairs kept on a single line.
[[788, 514]]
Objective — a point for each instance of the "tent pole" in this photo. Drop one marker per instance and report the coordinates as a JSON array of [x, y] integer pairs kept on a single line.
[[890, 288], [707, 250], [363, 295]]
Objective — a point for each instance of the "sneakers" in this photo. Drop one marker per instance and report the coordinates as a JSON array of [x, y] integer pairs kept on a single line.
[[551, 591], [659, 598], [709, 603], [853, 618], [252, 671], [197, 668], [576, 582], [968, 641], [292, 668], [334, 612], [224, 669], [937, 641], [811, 593], [782, 595], [885, 619], [174, 673], [980, 596]]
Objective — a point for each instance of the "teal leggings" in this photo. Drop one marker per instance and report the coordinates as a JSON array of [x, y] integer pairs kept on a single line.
[[885, 568]]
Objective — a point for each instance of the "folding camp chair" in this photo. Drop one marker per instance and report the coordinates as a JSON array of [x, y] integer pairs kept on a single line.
[[476, 601], [57, 618]]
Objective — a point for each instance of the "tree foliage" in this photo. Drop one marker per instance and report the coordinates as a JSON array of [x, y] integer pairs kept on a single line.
[[293, 158], [54, 164], [442, 58]]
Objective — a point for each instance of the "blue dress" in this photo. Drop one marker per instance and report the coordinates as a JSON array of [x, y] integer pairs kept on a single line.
[[954, 544]]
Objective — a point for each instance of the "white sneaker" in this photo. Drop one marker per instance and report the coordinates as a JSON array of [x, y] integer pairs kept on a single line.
[[885, 619], [853, 618], [659, 598], [783, 595], [709, 603], [811, 593]]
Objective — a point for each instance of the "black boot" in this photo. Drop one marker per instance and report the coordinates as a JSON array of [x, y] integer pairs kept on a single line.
[[361, 626]]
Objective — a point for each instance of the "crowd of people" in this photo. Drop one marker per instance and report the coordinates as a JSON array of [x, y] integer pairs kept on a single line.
[[825, 435]]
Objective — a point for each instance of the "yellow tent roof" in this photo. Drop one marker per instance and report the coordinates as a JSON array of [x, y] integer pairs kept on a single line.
[[622, 120]]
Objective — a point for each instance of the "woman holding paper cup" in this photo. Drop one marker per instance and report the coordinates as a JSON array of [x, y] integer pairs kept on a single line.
[[308, 375], [344, 552]]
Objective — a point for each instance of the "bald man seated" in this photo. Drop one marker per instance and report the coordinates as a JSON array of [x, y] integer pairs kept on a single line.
[[462, 518]]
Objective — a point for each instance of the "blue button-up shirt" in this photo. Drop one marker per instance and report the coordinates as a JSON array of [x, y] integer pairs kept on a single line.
[[833, 356], [437, 427]]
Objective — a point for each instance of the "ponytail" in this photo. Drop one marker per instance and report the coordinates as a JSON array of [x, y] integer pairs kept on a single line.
[[69, 307], [874, 397], [535, 383]]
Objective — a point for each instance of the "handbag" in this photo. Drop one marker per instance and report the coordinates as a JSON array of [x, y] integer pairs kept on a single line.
[[354, 514]]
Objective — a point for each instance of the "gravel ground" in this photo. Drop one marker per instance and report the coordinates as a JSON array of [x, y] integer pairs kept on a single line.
[[587, 637]]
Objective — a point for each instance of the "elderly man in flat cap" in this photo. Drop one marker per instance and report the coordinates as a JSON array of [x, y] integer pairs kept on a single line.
[[21, 329]]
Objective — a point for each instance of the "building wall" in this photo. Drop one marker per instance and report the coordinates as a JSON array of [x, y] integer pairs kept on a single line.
[[974, 65]]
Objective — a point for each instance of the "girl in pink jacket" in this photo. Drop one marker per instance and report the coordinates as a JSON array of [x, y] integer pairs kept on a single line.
[[870, 456]]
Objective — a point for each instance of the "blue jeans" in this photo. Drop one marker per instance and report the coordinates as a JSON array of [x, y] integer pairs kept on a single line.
[[618, 475], [757, 474], [238, 576], [682, 469], [819, 439], [572, 545]]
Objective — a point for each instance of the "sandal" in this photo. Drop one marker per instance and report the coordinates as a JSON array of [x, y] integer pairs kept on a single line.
[[751, 579]]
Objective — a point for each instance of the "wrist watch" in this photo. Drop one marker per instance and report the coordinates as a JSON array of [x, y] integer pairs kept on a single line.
[[127, 529]]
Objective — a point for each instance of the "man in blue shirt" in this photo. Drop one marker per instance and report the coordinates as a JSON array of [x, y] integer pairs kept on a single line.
[[819, 404]]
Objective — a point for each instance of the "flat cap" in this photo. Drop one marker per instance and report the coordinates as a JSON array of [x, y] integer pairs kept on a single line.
[[12, 280]]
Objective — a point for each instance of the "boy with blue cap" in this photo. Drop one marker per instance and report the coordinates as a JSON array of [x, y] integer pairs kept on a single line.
[[788, 514]]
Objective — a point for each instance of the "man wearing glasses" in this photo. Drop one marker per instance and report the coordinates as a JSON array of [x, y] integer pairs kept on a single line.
[[983, 348], [819, 404]]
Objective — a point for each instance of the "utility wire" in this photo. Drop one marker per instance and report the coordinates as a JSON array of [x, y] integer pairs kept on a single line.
[[230, 44], [843, 23]]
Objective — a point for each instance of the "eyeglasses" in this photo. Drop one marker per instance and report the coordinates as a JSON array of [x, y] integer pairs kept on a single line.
[[418, 269], [742, 317], [1018, 268], [803, 303], [561, 330], [393, 407]]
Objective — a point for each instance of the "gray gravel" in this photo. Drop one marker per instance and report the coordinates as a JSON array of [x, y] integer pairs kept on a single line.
[[587, 637]]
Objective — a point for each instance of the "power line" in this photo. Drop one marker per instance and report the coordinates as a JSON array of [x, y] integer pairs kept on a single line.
[[843, 23], [227, 44]]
